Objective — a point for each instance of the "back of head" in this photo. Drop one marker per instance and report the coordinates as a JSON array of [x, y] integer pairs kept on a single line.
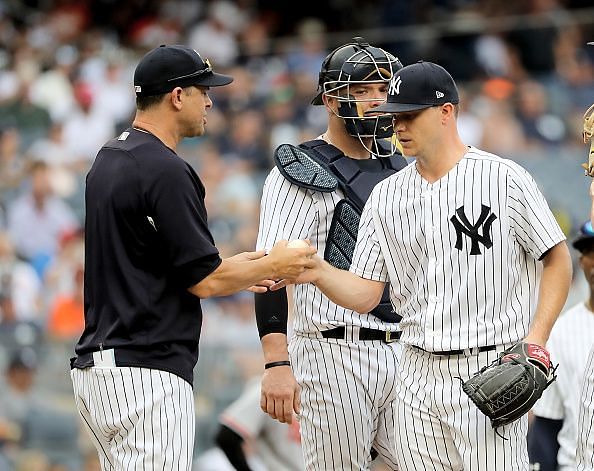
[[351, 64]]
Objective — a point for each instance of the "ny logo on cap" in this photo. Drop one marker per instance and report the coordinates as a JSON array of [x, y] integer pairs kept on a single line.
[[395, 86]]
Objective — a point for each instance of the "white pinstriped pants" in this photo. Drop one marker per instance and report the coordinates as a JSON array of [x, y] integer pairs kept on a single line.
[[585, 439], [137, 418], [347, 401], [439, 428]]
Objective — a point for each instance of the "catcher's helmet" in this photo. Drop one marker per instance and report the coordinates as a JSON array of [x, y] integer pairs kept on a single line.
[[354, 63]]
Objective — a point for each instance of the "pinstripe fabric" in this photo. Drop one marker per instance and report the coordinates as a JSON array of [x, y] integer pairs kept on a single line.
[[290, 212], [458, 283], [347, 401], [570, 342], [450, 299], [138, 418], [347, 386], [439, 428], [585, 441]]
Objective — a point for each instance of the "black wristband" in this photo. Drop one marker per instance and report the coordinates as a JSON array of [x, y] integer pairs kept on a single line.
[[272, 364]]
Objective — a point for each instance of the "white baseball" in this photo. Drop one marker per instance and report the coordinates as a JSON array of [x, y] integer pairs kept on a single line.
[[297, 244]]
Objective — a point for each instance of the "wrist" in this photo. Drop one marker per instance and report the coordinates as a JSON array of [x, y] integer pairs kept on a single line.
[[274, 346], [536, 340]]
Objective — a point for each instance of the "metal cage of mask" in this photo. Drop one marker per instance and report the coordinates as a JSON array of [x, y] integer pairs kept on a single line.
[[363, 65]]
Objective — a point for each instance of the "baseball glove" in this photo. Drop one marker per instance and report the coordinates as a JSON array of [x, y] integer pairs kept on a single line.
[[587, 135], [507, 389]]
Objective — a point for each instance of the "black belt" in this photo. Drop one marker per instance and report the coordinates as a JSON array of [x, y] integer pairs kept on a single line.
[[466, 351], [386, 336]]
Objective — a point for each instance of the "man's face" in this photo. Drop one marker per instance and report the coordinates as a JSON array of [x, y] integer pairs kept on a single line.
[[196, 103], [416, 130], [364, 96]]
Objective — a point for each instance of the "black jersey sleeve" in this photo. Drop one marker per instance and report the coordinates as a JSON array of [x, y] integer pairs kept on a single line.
[[176, 198]]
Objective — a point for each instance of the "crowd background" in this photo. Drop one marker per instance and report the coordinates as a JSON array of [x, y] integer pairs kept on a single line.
[[66, 69]]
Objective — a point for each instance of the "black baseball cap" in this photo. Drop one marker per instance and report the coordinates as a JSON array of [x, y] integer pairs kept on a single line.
[[167, 67], [418, 86], [584, 238]]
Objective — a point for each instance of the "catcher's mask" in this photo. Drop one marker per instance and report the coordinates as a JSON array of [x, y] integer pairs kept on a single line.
[[357, 63]]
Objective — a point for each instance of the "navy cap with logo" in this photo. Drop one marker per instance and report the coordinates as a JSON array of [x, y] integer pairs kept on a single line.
[[585, 238], [419, 86], [167, 67]]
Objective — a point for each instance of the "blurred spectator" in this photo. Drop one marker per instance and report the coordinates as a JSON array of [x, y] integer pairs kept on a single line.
[[64, 166], [12, 163], [115, 94], [66, 318], [52, 90], [19, 396], [215, 36], [86, 129], [20, 287], [533, 37], [304, 59], [539, 125], [19, 112], [150, 30], [60, 275], [37, 218], [246, 140]]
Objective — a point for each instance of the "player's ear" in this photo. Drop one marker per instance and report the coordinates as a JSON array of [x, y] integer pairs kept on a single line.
[[448, 111], [175, 97]]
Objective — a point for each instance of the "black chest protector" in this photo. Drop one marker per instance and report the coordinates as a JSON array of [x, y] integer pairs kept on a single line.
[[320, 166]]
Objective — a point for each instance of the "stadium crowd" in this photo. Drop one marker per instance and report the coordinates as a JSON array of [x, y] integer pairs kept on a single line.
[[65, 88]]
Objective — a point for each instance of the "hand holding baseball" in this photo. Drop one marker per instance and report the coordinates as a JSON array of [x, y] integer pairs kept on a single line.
[[291, 261]]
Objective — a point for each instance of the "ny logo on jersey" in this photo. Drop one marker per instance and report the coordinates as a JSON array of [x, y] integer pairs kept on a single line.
[[394, 88], [463, 226]]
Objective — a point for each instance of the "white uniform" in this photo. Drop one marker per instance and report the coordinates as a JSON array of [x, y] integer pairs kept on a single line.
[[585, 442], [347, 392], [461, 255], [277, 445], [569, 344], [137, 418]]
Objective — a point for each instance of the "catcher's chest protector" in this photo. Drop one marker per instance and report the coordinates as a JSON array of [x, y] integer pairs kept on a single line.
[[320, 166]]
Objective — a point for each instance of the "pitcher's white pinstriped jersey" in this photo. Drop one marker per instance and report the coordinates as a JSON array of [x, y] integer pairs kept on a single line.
[[585, 441], [412, 233], [292, 212], [569, 344]]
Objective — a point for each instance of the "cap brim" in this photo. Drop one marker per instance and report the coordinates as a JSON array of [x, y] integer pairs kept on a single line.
[[399, 107], [214, 80], [581, 242]]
